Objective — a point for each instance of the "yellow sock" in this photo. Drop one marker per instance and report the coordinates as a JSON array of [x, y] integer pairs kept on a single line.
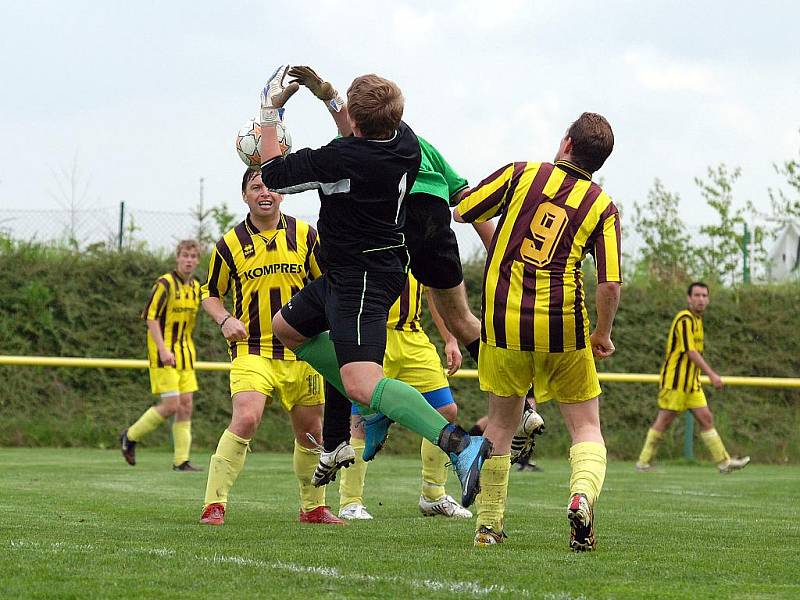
[[304, 461], [181, 440], [715, 446], [588, 461], [146, 423], [491, 501], [226, 463], [351, 484], [649, 448], [434, 472]]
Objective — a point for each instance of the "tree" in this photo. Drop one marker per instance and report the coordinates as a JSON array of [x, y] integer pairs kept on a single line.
[[667, 253], [72, 188], [785, 207], [726, 240]]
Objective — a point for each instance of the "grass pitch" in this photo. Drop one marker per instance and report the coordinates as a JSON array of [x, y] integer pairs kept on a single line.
[[82, 524]]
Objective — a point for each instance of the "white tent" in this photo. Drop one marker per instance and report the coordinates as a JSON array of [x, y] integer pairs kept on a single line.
[[784, 259]]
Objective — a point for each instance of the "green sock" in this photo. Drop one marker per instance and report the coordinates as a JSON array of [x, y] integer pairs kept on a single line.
[[406, 406], [320, 354]]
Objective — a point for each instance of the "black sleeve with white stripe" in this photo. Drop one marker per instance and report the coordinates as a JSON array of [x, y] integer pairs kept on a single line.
[[305, 170]]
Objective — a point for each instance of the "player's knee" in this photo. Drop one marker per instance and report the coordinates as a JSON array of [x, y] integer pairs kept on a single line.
[[168, 406], [247, 422], [357, 391], [449, 411]]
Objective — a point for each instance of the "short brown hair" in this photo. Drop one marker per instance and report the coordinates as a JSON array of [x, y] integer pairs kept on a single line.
[[376, 105], [592, 141], [189, 245], [249, 174]]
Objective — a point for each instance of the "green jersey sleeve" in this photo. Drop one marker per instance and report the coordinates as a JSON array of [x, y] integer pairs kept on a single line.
[[436, 177]]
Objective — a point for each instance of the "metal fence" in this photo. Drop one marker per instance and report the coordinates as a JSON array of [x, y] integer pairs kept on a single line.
[[113, 226]]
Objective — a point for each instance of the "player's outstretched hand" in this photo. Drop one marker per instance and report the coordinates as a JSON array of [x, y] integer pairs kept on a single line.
[[324, 90], [602, 346], [275, 95], [452, 354], [234, 330]]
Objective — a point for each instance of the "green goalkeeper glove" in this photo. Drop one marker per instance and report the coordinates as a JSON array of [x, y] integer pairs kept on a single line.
[[323, 90]]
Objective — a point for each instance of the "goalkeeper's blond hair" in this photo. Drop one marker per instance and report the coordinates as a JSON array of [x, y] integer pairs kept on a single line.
[[375, 105]]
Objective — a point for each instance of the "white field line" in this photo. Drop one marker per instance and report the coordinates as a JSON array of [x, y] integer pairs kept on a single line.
[[460, 587], [681, 492]]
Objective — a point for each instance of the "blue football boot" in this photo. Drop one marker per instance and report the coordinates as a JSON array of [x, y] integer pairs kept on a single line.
[[376, 430], [468, 464]]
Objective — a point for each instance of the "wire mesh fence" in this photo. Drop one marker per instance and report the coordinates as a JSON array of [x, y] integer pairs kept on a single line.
[[117, 226]]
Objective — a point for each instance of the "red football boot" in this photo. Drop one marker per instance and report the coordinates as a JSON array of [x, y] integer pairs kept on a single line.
[[213, 514], [321, 515]]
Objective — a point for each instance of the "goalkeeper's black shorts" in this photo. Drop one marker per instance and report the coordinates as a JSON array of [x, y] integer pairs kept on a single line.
[[354, 305], [432, 244]]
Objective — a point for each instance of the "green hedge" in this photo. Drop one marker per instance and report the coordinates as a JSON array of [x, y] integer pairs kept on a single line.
[[62, 303]]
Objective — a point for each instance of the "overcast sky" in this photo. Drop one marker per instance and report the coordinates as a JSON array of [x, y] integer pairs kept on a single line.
[[149, 95]]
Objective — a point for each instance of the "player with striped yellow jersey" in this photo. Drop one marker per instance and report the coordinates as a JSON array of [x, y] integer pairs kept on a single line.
[[685, 335], [535, 326], [261, 263], [262, 270], [680, 384], [552, 216], [170, 315], [173, 303]]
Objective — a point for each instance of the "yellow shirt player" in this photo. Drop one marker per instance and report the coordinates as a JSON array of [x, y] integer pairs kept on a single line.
[[261, 263], [413, 359], [680, 384], [534, 323], [170, 315]]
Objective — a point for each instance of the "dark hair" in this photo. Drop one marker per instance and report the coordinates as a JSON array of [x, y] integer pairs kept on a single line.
[[695, 284], [248, 175], [592, 141], [376, 106]]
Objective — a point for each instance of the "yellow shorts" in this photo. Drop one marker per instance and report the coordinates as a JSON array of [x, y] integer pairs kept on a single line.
[[569, 377], [678, 400], [413, 359], [169, 380], [293, 382]]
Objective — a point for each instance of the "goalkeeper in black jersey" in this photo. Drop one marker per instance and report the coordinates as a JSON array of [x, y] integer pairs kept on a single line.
[[362, 182]]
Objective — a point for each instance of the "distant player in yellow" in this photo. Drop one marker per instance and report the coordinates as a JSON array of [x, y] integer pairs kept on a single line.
[[680, 384], [263, 262], [170, 316], [411, 358], [535, 327]]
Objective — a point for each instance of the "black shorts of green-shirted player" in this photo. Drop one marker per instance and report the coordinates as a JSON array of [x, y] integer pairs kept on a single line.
[[362, 182], [432, 244]]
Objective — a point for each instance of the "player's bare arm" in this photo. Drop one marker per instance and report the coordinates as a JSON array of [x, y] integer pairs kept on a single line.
[[607, 299], [232, 328], [273, 97], [485, 231], [324, 90], [166, 357], [452, 352], [701, 363]]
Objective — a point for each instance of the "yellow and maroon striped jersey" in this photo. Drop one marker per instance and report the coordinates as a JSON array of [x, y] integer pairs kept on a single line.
[[551, 216], [173, 303], [405, 313], [678, 371], [263, 269]]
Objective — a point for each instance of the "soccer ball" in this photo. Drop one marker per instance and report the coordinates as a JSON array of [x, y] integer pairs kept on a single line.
[[249, 138]]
